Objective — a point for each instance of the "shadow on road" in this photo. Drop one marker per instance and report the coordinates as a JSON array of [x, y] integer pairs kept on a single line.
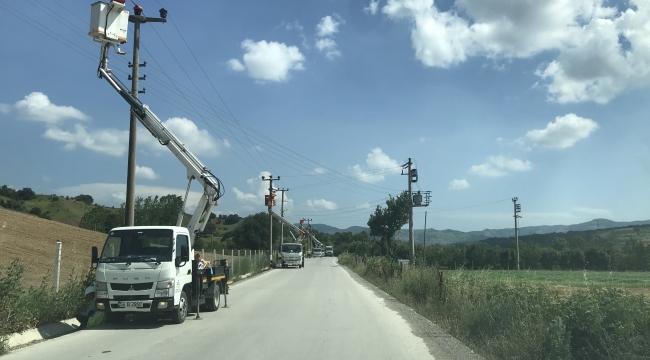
[[137, 321]]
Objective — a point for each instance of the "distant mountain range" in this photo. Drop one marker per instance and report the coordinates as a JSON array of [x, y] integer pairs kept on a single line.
[[454, 236]]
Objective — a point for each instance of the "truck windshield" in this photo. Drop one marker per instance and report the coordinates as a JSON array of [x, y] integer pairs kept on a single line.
[[291, 248], [143, 245]]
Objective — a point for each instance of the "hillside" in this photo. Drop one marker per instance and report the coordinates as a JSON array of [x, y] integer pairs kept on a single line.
[[33, 240], [453, 236], [616, 236]]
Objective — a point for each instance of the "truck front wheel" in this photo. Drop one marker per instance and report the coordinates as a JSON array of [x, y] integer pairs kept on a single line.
[[179, 314]]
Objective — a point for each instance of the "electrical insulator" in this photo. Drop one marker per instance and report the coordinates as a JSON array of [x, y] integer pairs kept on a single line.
[[518, 207]]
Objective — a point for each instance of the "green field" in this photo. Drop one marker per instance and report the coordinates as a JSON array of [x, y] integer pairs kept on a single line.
[[576, 279], [66, 211]]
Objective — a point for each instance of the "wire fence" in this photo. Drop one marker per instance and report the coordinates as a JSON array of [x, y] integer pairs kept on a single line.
[[67, 262]]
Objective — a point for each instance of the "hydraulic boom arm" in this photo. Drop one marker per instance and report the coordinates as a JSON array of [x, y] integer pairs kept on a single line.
[[212, 187]]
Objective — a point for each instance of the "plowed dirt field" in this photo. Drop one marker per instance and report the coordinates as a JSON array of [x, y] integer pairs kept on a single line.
[[33, 241]]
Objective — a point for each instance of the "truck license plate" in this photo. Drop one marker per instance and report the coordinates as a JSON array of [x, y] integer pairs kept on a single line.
[[129, 304]]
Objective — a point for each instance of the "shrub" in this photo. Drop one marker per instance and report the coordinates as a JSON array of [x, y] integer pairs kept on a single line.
[[22, 308]]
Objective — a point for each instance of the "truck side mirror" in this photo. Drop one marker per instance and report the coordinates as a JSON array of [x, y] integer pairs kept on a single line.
[[184, 256], [94, 257]]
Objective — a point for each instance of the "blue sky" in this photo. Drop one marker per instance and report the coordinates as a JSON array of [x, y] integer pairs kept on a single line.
[[492, 99]]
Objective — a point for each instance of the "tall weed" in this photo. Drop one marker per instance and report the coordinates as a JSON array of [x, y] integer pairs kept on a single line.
[[508, 319], [24, 308]]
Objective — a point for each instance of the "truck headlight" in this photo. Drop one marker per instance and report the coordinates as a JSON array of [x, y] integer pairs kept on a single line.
[[165, 288], [162, 293]]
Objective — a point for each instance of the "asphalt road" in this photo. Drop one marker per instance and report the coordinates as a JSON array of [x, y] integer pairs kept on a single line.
[[319, 312]]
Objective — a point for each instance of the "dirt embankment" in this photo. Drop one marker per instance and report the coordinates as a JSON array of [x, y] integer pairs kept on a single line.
[[33, 241]]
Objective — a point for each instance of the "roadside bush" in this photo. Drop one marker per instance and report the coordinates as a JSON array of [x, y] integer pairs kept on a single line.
[[22, 308]]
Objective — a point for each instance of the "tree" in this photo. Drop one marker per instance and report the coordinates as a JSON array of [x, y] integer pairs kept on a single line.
[[213, 216], [253, 233], [560, 244], [156, 211], [385, 222], [231, 219], [86, 199], [26, 194]]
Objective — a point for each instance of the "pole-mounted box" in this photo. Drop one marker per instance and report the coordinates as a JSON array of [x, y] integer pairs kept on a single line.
[[109, 22]]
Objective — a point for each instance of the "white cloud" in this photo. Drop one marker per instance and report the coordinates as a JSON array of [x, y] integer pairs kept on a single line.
[[377, 164], [319, 171], [328, 46], [227, 143], [328, 26], [601, 51], [321, 203], [496, 166], [363, 206], [144, 172], [244, 197], [236, 65], [115, 194], [198, 141], [519, 143], [372, 7], [115, 142], [564, 132], [268, 61], [5, 108], [458, 184], [46, 178], [106, 141], [37, 107]]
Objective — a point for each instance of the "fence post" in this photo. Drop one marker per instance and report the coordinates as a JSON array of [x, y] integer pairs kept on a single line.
[[57, 266], [223, 253], [214, 256], [232, 258], [202, 253]]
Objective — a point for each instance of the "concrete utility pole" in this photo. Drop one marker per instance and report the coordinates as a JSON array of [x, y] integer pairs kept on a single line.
[[311, 245], [269, 202], [282, 214], [517, 210], [137, 19], [408, 166]]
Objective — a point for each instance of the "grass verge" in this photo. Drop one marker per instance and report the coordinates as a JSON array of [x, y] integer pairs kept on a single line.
[[22, 308], [517, 320]]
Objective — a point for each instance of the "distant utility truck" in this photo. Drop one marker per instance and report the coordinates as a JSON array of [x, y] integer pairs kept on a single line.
[[292, 255], [329, 251]]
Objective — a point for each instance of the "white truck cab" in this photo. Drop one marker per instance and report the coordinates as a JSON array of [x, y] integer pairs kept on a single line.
[[292, 255]]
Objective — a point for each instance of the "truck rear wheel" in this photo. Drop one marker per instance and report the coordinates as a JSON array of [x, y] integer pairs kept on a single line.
[[213, 304], [179, 314]]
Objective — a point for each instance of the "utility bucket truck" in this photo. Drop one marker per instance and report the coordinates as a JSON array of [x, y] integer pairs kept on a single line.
[[149, 269]]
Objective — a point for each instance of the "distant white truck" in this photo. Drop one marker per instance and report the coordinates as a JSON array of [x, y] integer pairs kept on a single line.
[[292, 255], [329, 251], [318, 252]]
